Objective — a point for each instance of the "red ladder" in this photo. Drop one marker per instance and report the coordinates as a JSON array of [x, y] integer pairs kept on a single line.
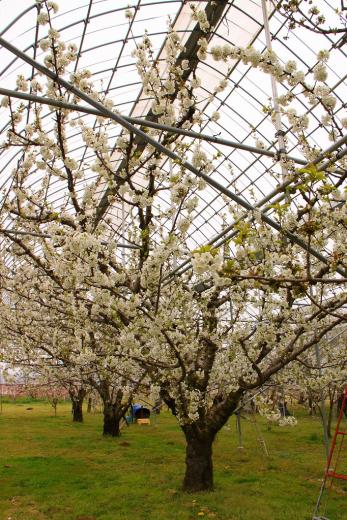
[[329, 471]]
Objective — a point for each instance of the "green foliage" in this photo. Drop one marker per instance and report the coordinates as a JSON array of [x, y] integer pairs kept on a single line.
[[326, 189], [145, 234], [206, 249], [312, 173], [244, 231], [53, 469], [310, 227], [280, 209], [230, 268], [54, 216]]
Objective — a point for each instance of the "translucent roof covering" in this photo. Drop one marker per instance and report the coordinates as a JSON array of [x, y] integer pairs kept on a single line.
[[106, 39]]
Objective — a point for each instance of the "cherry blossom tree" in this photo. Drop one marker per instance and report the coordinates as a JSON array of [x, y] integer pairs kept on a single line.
[[208, 324], [323, 373], [47, 335]]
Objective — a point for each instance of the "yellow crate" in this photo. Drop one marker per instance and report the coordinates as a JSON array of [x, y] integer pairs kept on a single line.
[[143, 421]]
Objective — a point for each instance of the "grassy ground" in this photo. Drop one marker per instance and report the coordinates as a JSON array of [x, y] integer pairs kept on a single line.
[[53, 469]]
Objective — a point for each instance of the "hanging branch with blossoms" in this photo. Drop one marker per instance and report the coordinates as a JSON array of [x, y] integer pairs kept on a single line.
[[311, 16]]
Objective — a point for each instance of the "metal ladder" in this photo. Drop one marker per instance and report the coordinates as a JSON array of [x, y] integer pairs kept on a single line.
[[329, 471]]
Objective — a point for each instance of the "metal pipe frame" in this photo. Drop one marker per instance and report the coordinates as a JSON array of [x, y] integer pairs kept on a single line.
[[228, 232], [171, 129], [278, 119], [146, 123], [214, 13], [46, 235], [162, 149]]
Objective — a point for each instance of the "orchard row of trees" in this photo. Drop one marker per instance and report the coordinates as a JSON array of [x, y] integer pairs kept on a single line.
[[127, 320]]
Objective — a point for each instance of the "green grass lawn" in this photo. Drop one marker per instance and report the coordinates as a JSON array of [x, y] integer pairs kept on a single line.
[[53, 469]]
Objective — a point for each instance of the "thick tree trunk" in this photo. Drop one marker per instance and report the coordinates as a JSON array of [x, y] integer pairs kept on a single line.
[[312, 406], [200, 436], [199, 467], [77, 411], [111, 420], [113, 407], [77, 399]]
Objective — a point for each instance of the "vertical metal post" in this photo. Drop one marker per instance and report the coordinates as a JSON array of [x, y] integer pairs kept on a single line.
[[239, 431], [322, 400], [283, 397], [278, 121], [174, 263]]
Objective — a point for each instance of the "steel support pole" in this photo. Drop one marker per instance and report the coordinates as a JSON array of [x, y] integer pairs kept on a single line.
[[228, 233], [239, 430], [322, 401], [278, 122], [166, 128], [222, 237], [18, 17], [146, 123], [46, 235], [122, 231], [162, 149]]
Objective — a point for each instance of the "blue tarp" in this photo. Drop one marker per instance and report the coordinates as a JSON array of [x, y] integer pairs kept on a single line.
[[138, 410]]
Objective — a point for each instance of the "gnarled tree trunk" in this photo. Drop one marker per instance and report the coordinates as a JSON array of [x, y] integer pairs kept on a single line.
[[200, 436], [113, 406], [199, 466], [112, 419], [77, 397]]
